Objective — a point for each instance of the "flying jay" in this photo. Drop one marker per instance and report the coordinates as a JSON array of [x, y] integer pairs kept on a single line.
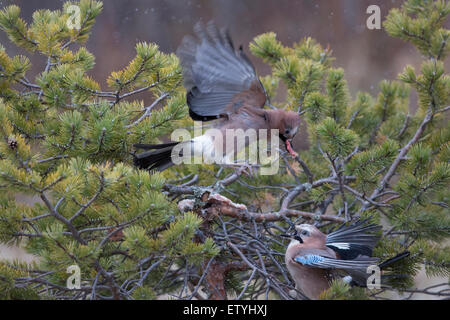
[[314, 258], [222, 86]]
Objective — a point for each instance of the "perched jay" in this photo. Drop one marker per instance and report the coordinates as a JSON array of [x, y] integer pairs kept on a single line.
[[221, 85], [314, 259]]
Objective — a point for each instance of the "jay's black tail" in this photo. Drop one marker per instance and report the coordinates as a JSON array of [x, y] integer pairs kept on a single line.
[[393, 260], [359, 276], [158, 157], [392, 270]]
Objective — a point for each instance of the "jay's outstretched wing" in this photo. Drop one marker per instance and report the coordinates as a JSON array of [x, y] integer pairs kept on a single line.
[[219, 79], [356, 268], [353, 240]]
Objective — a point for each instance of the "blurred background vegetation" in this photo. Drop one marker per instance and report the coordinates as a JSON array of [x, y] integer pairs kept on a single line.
[[368, 56]]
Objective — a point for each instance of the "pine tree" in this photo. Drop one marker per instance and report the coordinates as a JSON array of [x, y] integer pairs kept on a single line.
[[201, 231]]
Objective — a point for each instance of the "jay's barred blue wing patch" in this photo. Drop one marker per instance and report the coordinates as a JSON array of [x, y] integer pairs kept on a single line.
[[309, 259], [312, 260], [356, 239]]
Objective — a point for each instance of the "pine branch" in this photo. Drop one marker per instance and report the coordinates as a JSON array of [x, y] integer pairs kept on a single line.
[[403, 152], [148, 110]]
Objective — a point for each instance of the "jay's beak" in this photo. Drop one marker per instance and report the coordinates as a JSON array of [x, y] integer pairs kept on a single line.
[[292, 236]]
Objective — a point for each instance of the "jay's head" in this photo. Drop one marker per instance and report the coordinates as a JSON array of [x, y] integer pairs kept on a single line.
[[306, 234], [287, 123]]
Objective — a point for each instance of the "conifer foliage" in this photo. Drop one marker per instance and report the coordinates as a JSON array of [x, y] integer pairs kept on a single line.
[[200, 231]]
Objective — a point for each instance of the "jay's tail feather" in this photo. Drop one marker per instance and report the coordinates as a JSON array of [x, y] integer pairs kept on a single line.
[[359, 276], [393, 260], [158, 157]]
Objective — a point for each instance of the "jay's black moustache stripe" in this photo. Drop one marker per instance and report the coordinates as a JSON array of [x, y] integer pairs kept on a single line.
[[294, 235]]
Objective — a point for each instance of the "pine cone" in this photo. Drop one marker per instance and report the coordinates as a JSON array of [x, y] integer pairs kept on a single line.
[[12, 143]]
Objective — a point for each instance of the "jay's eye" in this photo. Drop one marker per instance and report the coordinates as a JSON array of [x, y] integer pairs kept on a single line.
[[287, 131], [304, 233]]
